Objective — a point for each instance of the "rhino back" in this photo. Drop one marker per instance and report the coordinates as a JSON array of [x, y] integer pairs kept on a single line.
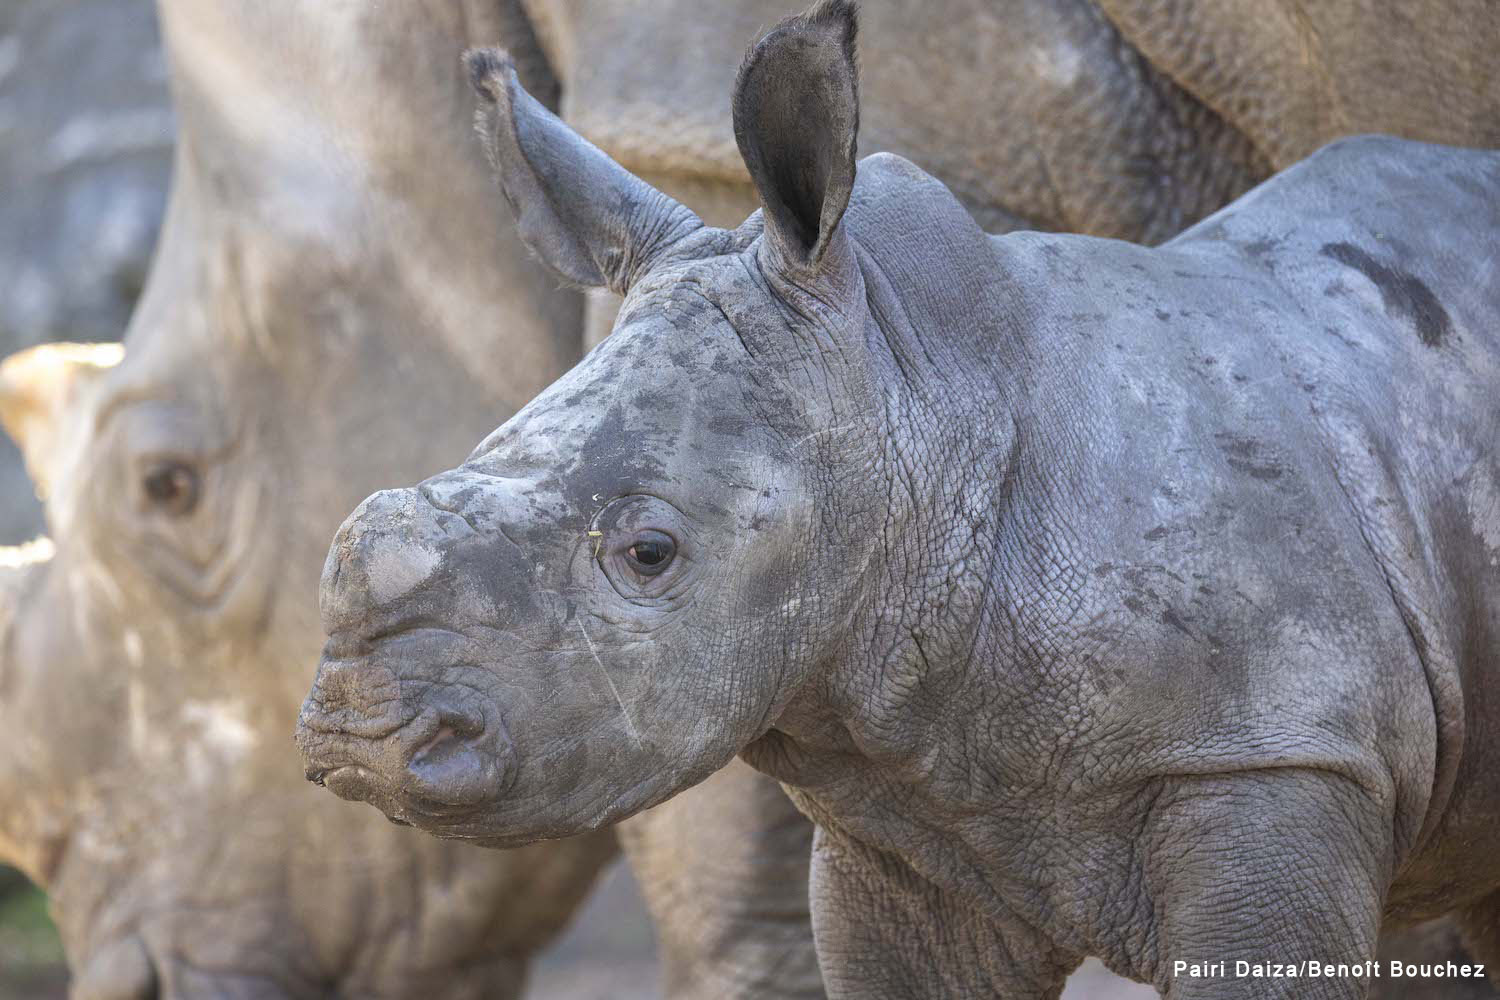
[[1412, 278], [1297, 401]]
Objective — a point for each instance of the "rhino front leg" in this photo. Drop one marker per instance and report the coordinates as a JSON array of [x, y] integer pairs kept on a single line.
[[886, 933], [1254, 874], [723, 867]]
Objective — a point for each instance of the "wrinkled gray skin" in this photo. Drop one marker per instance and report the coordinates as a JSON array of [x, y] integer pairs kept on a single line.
[[85, 150], [1093, 599], [1124, 118], [150, 669], [1114, 118]]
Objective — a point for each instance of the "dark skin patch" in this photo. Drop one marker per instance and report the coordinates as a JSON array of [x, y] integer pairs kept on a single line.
[[1262, 246], [728, 424], [1243, 455], [1170, 617], [1402, 293]]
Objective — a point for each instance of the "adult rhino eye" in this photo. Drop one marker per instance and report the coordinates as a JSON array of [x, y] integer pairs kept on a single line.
[[172, 488], [651, 552]]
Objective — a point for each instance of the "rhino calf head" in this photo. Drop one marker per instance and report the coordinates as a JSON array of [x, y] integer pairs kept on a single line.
[[625, 583]]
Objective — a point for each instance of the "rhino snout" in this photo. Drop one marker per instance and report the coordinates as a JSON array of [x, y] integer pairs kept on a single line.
[[387, 721], [431, 758]]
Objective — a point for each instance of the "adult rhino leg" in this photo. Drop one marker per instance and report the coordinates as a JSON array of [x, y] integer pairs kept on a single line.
[[1270, 867], [723, 868], [1434, 942], [886, 933]]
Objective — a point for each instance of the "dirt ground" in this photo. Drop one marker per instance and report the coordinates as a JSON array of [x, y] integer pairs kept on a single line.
[[607, 954]]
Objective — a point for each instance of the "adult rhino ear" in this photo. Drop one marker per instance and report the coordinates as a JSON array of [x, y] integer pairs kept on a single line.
[[588, 218], [37, 387], [796, 119]]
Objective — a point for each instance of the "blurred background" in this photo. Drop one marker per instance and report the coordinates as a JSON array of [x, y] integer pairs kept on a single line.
[[85, 152], [85, 157]]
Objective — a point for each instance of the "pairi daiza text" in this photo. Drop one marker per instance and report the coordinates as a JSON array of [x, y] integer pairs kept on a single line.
[[1311, 968]]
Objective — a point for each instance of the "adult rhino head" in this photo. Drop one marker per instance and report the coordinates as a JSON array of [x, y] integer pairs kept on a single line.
[[625, 583], [154, 651]]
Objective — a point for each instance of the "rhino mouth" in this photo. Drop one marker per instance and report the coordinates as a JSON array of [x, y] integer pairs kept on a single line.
[[445, 763]]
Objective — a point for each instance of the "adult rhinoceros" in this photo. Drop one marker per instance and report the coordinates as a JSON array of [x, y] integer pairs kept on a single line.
[[1124, 118], [151, 668], [1094, 599]]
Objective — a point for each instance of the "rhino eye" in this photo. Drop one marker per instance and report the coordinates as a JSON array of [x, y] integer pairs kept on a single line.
[[172, 488], [651, 552]]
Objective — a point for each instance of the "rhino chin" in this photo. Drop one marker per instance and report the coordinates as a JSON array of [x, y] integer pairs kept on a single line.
[[351, 782]]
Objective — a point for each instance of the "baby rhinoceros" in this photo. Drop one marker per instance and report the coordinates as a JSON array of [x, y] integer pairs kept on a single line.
[[1094, 599]]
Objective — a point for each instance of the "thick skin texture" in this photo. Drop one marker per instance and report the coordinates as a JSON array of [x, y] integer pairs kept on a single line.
[[1112, 118], [327, 279], [992, 97], [1123, 118], [724, 871], [1094, 599]]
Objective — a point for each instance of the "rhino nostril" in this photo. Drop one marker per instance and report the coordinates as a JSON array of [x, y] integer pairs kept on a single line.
[[441, 743], [440, 733], [463, 763]]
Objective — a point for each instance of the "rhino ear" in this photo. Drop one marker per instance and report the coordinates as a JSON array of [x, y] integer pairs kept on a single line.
[[37, 386], [796, 119], [588, 218]]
